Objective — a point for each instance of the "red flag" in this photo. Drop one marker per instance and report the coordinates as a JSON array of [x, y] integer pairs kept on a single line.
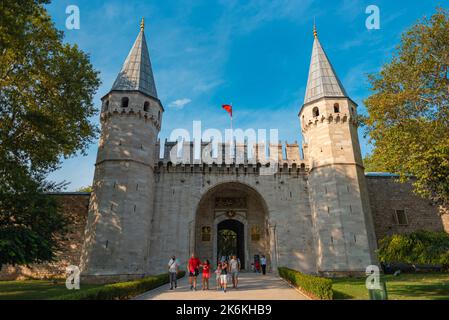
[[228, 108]]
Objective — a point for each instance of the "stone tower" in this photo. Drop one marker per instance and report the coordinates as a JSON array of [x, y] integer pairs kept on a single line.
[[121, 206], [344, 232]]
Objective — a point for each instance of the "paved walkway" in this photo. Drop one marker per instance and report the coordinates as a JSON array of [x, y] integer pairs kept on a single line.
[[251, 287]]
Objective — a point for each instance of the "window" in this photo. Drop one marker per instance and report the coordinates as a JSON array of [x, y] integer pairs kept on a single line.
[[205, 234], [400, 217], [159, 116], [336, 108], [125, 102], [146, 106], [316, 112], [106, 105]]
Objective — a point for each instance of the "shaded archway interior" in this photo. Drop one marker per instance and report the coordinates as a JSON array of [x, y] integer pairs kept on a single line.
[[231, 240]]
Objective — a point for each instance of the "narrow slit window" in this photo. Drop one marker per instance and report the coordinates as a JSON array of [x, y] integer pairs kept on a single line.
[[401, 218]]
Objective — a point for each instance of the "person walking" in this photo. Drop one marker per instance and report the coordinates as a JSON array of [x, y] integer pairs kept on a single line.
[[224, 276], [173, 267], [193, 267], [218, 276], [206, 275], [234, 268], [263, 263]]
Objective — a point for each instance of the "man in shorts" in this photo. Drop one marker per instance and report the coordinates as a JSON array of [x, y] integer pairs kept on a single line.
[[193, 267], [234, 268]]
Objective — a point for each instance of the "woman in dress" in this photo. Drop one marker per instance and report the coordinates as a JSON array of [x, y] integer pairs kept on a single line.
[[206, 274]]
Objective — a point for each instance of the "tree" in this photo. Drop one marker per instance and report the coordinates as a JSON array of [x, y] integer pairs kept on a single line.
[[31, 223], [85, 189], [408, 120], [421, 247], [46, 101]]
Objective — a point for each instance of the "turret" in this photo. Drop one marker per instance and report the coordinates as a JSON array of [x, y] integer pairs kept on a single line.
[[119, 222], [337, 187]]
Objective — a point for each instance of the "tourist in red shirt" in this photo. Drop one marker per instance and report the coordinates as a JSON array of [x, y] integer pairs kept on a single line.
[[193, 267], [206, 275]]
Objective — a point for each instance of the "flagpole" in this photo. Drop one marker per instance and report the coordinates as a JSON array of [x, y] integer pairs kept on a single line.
[[232, 112]]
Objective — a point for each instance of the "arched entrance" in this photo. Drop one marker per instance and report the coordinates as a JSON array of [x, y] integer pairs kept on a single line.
[[231, 240], [231, 219]]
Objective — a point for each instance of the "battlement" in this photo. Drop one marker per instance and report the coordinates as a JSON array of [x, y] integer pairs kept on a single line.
[[232, 155], [328, 118], [146, 116]]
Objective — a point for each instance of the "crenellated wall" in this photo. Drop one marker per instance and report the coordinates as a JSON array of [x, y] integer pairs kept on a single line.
[[237, 154]]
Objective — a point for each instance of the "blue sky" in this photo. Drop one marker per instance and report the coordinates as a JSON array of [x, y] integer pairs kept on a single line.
[[254, 54]]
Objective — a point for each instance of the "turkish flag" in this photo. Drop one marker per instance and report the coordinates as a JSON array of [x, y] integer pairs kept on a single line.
[[228, 108]]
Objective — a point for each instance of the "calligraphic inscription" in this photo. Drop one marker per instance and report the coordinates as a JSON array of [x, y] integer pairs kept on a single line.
[[228, 203]]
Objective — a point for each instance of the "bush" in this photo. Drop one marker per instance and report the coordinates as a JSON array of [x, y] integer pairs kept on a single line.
[[121, 290], [318, 287], [421, 247]]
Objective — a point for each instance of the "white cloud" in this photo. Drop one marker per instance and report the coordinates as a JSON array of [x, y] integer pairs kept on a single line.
[[180, 103]]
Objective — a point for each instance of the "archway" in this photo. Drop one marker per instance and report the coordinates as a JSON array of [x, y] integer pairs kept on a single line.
[[231, 240], [239, 209]]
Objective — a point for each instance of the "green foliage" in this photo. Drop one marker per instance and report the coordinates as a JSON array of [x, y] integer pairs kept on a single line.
[[30, 221], [122, 290], [47, 90], [371, 165], [422, 247], [316, 286], [46, 101], [85, 189], [408, 120]]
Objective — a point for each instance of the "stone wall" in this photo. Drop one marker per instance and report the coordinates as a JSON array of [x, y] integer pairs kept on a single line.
[[387, 195], [175, 215], [75, 206]]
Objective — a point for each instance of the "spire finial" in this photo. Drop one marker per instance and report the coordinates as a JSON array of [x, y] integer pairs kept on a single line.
[[315, 32], [142, 24]]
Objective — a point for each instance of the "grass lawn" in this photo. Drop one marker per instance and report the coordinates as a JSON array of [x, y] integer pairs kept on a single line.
[[403, 287], [35, 289]]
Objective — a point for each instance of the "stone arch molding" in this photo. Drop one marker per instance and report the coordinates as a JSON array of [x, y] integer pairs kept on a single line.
[[269, 226]]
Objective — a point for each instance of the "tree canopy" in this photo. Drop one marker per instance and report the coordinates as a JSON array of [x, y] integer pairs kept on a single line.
[[46, 102], [408, 120]]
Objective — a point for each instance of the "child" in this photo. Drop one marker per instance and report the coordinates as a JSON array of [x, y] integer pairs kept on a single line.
[[257, 266], [206, 275], [218, 275]]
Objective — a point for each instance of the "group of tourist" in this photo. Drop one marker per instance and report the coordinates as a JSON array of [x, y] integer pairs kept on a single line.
[[227, 269]]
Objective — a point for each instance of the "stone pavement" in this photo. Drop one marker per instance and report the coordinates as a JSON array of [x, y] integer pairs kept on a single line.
[[251, 287]]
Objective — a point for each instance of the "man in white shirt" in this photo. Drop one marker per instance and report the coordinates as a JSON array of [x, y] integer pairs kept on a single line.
[[173, 266], [234, 268]]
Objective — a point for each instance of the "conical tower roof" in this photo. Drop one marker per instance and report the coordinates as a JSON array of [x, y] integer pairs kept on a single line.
[[323, 81], [136, 73]]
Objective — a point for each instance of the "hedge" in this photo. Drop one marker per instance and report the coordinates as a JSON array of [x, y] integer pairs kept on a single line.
[[121, 290], [320, 288]]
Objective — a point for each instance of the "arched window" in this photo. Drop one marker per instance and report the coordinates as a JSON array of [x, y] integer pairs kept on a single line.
[[125, 102], [159, 116], [146, 106], [336, 108], [316, 112], [106, 105]]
